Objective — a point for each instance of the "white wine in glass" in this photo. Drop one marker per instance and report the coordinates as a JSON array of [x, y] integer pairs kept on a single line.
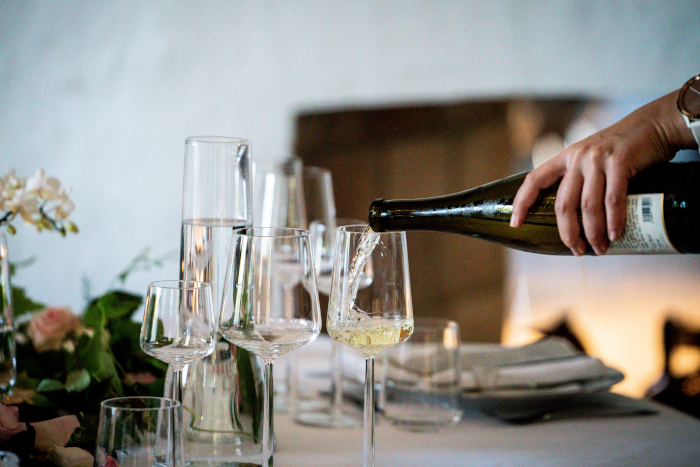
[[261, 312], [373, 318], [323, 236]]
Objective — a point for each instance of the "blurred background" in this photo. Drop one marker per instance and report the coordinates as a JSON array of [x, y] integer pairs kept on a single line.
[[397, 98]]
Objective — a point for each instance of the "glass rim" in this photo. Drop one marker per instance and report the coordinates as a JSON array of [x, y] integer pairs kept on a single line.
[[289, 232], [434, 322], [354, 230], [179, 284], [315, 169], [345, 221], [114, 403], [216, 140]]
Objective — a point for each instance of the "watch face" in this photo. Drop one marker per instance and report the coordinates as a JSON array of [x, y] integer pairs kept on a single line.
[[689, 98]]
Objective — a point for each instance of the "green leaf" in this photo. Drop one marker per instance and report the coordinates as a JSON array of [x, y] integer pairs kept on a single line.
[[77, 380], [41, 400], [25, 381], [93, 355], [23, 304], [114, 305], [48, 385], [249, 392]]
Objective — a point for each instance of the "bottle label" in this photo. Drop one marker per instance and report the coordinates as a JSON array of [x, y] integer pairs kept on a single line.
[[645, 231]]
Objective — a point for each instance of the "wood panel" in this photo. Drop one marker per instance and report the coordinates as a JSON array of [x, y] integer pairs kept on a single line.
[[430, 150]]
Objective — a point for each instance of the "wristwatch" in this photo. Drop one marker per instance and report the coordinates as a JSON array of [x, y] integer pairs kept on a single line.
[[689, 105]]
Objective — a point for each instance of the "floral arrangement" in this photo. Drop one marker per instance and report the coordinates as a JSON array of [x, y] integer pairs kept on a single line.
[[71, 364], [68, 364], [38, 200]]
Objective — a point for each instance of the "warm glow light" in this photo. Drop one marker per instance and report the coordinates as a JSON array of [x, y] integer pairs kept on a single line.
[[616, 306]]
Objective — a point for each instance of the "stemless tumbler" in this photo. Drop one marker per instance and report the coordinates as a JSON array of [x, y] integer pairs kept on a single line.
[[422, 377], [139, 431]]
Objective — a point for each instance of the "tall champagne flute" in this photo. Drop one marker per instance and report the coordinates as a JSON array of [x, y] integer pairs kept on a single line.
[[256, 312], [178, 325], [319, 201], [278, 194], [374, 318], [323, 238]]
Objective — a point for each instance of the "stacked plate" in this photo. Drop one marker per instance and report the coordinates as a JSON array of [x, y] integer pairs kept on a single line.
[[520, 382]]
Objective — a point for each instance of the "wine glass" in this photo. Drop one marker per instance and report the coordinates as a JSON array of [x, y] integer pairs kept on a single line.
[[374, 318], [178, 325], [257, 313], [323, 239]]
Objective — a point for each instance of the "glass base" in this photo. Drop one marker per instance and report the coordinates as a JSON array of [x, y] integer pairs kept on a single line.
[[328, 420], [210, 448], [239, 463]]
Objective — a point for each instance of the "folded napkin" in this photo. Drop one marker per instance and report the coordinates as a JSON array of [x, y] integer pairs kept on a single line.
[[550, 362]]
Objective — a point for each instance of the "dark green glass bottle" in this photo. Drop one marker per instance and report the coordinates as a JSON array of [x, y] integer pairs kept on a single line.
[[663, 214]]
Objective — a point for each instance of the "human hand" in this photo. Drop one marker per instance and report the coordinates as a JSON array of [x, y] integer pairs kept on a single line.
[[595, 172]]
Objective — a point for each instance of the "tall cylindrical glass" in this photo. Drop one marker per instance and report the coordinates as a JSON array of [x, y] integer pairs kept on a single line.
[[279, 202], [222, 398], [8, 362], [216, 199]]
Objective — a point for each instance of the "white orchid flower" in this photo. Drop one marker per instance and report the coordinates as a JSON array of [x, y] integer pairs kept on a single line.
[[44, 187], [36, 199], [64, 207]]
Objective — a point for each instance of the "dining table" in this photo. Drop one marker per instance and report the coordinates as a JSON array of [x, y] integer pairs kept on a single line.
[[600, 429]]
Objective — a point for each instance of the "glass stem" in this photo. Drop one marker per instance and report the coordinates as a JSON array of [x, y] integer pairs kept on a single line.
[[267, 447], [176, 393], [290, 378], [336, 381], [368, 423], [176, 389]]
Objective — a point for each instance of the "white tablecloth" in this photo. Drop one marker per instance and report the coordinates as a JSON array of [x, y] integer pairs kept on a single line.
[[581, 438], [668, 438]]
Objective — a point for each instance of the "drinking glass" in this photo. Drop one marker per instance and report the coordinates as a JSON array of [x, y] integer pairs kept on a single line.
[[279, 202], [323, 238], [257, 313], [421, 382], [319, 199], [8, 362], [374, 318], [139, 431], [278, 194], [178, 325], [217, 198]]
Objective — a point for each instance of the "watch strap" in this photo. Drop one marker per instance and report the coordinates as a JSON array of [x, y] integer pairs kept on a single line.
[[694, 126]]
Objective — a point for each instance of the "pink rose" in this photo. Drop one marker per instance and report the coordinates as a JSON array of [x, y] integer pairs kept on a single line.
[[142, 377], [70, 457], [103, 460], [54, 432], [9, 422], [48, 329]]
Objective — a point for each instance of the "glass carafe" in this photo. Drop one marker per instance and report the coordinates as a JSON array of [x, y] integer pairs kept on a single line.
[[222, 400]]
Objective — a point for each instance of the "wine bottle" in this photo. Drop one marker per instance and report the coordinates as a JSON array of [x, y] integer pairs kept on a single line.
[[663, 214]]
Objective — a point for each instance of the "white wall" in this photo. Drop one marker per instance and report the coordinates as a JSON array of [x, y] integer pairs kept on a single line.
[[102, 94]]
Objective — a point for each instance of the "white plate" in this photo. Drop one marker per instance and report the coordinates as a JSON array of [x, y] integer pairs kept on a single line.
[[520, 403]]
